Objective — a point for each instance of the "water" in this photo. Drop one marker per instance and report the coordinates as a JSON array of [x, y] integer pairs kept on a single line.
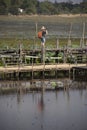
[[47, 110], [27, 29], [53, 110]]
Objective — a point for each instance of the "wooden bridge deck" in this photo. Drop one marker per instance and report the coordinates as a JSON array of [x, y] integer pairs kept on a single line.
[[42, 67]]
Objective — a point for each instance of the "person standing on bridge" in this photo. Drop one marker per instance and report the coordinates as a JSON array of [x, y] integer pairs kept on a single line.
[[42, 36]]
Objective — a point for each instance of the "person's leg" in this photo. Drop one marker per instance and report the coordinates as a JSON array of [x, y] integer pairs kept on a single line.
[[43, 50], [43, 40]]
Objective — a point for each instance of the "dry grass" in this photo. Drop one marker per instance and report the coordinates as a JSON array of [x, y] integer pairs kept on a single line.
[[46, 18]]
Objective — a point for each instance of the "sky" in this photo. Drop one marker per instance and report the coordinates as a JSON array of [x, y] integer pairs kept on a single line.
[[74, 1]]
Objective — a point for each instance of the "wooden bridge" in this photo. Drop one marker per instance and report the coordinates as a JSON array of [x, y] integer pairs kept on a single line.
[[36, 60], [42, 67]]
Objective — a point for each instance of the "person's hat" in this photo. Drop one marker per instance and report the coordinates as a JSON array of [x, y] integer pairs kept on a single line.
[[43, 28]]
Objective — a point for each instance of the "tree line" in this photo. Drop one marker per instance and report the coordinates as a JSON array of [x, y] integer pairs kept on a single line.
[[16, 7]]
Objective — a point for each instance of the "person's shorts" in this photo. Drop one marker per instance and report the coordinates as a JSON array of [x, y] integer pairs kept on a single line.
[[43, 40]]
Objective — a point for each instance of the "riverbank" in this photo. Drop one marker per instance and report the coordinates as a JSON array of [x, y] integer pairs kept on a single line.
[[45, 18]]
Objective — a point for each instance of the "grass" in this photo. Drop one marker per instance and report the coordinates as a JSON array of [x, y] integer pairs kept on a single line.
[[46, 18], [35, 43]]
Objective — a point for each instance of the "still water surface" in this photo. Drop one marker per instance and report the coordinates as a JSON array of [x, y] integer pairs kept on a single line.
[[48, 110], [27, 29]]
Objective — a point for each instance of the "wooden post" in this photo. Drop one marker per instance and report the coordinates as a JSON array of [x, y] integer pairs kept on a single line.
[[83, 35], [86, 43], [81, 42], [20, 54], [64, 55], [69, 43], [86, 56], [43, 53], [3, 61], [35, 38], [73, 74], [36, 29], [57, 44], [82, 38], [70, 31], [69, 72], [32, 68]]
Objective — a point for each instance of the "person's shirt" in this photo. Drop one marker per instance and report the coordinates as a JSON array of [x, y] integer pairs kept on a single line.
[[44, 33]]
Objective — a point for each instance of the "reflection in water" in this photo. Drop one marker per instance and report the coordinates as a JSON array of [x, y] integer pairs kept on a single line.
[[41, 102], [22, 87], [48, 110], [67, 95]]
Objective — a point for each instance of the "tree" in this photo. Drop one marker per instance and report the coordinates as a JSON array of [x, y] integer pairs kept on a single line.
[[46, 7], [76, 9], [83, 6], [14, 10], [3, 7], [14, 6], [29, 6]]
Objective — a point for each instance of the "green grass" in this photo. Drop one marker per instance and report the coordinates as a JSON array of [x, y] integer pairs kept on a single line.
[[36, 43]]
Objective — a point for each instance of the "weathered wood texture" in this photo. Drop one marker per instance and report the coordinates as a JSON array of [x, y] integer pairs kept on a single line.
[[42, 67]]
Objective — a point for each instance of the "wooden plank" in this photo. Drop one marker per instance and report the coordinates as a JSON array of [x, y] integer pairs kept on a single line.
[[39, 67]]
